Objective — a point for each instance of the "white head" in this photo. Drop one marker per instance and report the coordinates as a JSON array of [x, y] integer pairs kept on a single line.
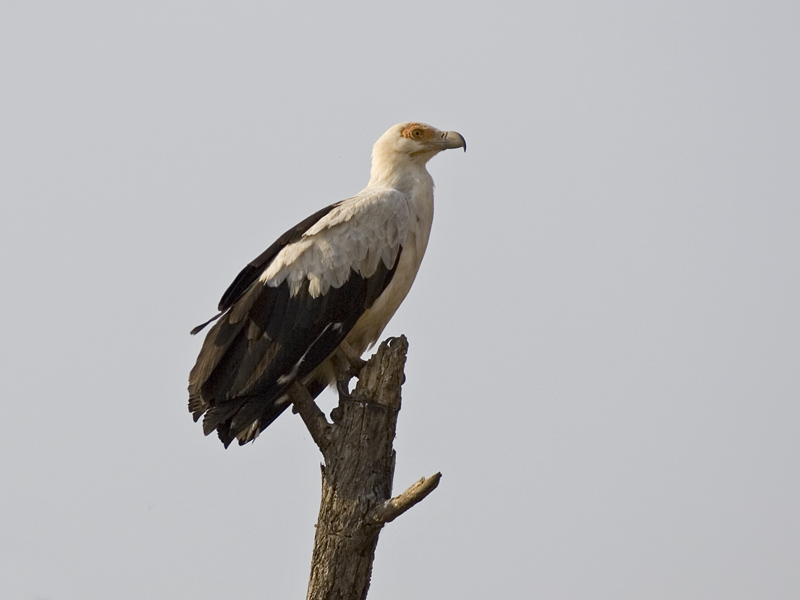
[[410, 145]]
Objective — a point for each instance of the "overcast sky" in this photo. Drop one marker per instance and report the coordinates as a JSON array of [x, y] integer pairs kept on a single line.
[[605, 340]]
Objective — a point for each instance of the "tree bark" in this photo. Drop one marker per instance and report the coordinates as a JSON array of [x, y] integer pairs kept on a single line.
[[357, 475]]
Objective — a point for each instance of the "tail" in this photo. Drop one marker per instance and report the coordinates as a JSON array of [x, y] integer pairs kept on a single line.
[[245, 417]]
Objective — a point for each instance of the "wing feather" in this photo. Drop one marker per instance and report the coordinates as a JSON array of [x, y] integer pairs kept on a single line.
[[353, 235], [290, 309], [252, 271]]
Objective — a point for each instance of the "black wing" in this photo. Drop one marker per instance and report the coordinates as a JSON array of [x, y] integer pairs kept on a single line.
[[255, 267], [253, 270], [267, 340]]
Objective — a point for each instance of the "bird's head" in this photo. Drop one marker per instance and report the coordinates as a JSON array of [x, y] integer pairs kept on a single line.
[[412, 143]]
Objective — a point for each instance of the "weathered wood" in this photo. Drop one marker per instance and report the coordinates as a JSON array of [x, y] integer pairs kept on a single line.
[[312, 416], [357, 476], [391, 509]]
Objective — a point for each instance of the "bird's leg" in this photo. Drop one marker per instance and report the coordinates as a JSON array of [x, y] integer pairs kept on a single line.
[[356, 362], [352, 367]]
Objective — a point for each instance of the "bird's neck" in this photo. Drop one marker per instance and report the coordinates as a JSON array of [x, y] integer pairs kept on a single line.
[[405, 175]]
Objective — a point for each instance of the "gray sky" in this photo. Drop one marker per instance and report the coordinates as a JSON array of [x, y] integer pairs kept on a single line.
[[604, 335]]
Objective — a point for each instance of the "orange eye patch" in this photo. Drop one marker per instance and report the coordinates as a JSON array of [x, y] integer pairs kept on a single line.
[[417, 131]]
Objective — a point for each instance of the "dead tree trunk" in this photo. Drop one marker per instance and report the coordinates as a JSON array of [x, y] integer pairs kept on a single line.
[[357, 475]]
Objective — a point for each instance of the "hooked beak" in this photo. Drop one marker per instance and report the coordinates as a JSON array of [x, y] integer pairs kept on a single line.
[[453, 139]]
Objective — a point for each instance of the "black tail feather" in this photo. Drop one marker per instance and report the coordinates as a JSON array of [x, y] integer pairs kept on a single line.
[[200, 327]]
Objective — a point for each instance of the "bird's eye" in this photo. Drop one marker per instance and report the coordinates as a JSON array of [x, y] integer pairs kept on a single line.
[[417, 134]]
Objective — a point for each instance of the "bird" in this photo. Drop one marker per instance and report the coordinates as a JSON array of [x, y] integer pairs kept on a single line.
[[311, 304]]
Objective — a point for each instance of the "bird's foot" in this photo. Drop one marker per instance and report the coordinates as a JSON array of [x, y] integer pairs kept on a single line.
[[337, 414], [355, 362], [353, 371], [343, 388]]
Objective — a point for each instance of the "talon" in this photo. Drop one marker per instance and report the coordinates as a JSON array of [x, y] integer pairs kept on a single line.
[[342, 386], [355, 367]]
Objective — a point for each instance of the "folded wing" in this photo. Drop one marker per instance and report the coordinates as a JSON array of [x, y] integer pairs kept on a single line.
[[290, 308]]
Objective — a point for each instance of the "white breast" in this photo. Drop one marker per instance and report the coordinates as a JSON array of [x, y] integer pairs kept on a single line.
[[369, 327], [414, 216]]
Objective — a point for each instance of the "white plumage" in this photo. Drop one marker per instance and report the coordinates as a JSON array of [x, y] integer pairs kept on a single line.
[[359, 232], [320, 294]]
